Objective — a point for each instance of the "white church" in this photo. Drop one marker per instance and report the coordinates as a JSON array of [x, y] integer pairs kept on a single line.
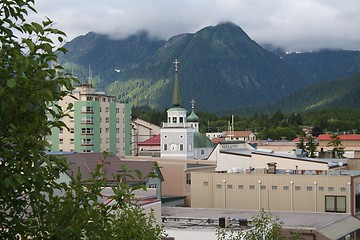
[[179, 136]]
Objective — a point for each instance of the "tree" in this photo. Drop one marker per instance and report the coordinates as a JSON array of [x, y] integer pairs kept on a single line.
[[34, 205], [311, 146], [337, 151], [265, 226]]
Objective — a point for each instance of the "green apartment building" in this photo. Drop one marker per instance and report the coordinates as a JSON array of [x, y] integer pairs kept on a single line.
[[96, 123]]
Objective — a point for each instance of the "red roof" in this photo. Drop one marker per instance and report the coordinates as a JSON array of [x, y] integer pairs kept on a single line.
[[154, 141], [345, 137]]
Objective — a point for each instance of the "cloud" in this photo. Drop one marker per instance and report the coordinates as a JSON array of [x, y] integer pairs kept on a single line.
[[292, 24]]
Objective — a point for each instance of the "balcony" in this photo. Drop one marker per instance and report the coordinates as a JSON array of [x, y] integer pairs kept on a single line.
[[176, 125]]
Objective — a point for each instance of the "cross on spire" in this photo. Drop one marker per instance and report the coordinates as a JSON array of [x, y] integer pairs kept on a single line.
[[176, 63], [192, 103]]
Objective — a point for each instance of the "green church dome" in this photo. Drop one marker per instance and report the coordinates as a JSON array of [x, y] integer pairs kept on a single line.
[[193, 117]]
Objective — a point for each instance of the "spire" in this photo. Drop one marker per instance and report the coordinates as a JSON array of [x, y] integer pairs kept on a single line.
[[176, 96]]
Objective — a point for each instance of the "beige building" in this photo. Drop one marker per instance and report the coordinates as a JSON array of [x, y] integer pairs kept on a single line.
[[277, 192], [177, 175], [141, 131], [240, 156]]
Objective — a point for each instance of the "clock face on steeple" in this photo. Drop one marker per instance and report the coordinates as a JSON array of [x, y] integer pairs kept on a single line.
[[173, 147]]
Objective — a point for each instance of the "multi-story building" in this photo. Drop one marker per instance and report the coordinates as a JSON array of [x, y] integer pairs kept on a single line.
[[96, 123]]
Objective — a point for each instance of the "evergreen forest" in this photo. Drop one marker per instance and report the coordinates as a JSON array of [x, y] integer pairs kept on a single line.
[[279, 125]]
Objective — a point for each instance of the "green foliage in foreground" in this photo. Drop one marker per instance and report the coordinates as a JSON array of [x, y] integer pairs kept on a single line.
[[265, 226], [34, 204]]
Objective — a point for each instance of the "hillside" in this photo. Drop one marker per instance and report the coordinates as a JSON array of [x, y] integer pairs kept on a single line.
[[221, 67]]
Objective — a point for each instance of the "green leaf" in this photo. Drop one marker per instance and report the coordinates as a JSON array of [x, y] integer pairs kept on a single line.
[[11, 83], [38, 28]]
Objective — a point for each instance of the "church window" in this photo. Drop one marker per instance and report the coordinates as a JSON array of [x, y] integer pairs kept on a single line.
[[165, 147], [181, 120], [181, 147], [174, 119]]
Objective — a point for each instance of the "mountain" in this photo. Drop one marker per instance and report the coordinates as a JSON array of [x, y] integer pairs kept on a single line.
[[333, 94], [106, 58], [221, 68], [324, 64], [342, 93]]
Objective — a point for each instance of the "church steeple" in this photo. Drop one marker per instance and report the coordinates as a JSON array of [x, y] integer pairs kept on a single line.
[[176, 95]]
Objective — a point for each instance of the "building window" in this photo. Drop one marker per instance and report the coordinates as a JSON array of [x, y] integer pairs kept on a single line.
[[274, 187], [252, 187], [104, 99], [321, 188], [229, 186], [107, 120], [72, 130], [117, 120], [330, 189], [202, 151], [61, 130], [117, 110], [96, 98], [86, 141], [87, 131], [118, 140], [61, 141], [286, 187], [240, 186], [206, 184], [165, 147], [107, 140], [218, 186], [188, 179], [87, 119], [343, 189], [335, 204], [174, 119], [181, 120], [117, 130], [262, 187], [309, 188], [71, 141], [100, 109], [87, 109], [181, 147], [107, 130], [107, 109], [297, 188]]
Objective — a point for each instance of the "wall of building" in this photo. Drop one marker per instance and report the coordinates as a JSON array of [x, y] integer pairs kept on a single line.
[[267, 191], [108, 130]]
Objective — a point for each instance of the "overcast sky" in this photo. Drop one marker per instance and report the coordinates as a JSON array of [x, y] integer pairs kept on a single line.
[[297, 25]]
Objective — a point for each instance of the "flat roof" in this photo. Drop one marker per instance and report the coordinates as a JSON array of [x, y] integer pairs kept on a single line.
[[323, 223]]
